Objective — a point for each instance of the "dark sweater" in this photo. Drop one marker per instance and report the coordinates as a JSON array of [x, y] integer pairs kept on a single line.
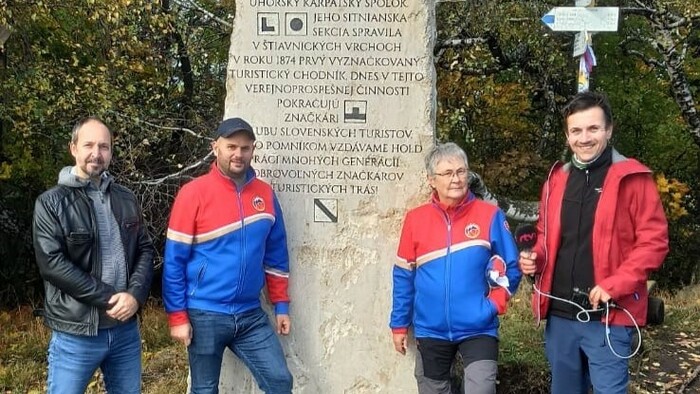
[[574, 264]]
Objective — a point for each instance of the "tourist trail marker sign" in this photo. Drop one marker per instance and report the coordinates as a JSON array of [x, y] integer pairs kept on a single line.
[[584, 19], [589, 19]]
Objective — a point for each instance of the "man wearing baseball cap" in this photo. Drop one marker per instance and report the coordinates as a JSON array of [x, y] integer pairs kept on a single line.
[[226, 239]]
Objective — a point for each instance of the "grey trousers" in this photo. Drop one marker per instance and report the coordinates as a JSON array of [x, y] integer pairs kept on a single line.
[[479, 378]]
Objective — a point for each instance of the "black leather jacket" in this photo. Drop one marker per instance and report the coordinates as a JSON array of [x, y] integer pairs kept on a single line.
[[68, 255]]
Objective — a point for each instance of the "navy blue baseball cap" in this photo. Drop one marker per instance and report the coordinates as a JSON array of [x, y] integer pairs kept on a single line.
[[232, 126]]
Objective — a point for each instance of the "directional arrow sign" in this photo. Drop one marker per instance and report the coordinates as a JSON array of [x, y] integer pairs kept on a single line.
[[582, 18]]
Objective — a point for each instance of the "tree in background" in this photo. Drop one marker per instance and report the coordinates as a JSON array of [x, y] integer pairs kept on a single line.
[[154, 71]]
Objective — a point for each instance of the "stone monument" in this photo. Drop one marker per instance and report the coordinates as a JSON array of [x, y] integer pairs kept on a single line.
[[341, 95]]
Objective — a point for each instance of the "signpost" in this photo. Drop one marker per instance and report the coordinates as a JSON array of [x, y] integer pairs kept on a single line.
[[585, 19], [582, 18]]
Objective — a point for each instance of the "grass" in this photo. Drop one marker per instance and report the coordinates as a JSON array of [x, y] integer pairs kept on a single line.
[[24, 341], [523, 368], [521, 348]]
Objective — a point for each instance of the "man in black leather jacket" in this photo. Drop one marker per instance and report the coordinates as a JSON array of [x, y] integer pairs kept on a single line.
[[96, 260]]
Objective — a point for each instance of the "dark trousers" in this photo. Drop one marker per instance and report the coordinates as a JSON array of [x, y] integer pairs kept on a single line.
[[434, 362]]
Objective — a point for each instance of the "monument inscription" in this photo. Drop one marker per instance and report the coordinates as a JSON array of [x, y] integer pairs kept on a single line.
[[341, 95], [327, 74]]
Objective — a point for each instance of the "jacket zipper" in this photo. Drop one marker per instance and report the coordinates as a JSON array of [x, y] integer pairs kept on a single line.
[[448, 264], [96, 268], [241, 214]]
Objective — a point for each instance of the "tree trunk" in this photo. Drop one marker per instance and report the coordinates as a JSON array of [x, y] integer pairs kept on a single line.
[[673, 62], [520, 211]]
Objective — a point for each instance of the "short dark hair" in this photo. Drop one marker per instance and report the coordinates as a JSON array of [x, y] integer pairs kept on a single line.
[[82, 122], [587, 100]]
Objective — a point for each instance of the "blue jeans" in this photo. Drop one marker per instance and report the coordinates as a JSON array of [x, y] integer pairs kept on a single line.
[[579, 356], [250, 336], [73, 359]]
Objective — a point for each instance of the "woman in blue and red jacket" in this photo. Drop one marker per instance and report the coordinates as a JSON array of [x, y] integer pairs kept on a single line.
[[455, 271]]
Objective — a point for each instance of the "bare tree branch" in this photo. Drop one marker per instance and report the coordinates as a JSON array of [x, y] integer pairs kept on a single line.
[[460, 42], [645, 11], [678, 23], [185, 129], [646, 59], [455, 43], [178, 174], [208, 15], [634, 38], [690, 380], [479, 71], [521, 211], [170, 128], [643, 5]]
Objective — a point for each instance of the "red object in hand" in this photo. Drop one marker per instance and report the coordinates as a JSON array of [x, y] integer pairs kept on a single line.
[[498, 283], [499, 296]]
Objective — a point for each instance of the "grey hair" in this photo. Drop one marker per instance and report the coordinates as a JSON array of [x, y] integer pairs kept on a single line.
[[439, 152], [82, 122]]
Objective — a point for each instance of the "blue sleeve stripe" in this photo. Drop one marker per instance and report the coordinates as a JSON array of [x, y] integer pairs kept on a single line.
[[402, 298], [282, 308], [174, 276]]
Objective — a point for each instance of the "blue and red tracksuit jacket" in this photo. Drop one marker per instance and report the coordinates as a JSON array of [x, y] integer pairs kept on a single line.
[[223, 244], [440, 276]]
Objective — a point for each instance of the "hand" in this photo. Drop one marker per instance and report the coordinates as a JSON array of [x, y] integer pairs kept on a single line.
[[400, 342], [526, 262], [597, 296], [284, 324], [123, 306], [182, 333]]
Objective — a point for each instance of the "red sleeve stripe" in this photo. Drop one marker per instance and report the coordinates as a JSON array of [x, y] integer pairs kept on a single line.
[[178, 318], [277, 288]]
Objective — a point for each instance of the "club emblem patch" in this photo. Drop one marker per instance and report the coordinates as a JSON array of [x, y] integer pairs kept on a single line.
[[472, 230], [258, 203]]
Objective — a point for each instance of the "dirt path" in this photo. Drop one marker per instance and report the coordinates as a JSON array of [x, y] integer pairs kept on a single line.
[[670, 362]]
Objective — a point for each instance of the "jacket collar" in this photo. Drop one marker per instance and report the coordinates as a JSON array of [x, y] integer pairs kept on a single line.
[[219, 176], [454, 208], [67, 177]]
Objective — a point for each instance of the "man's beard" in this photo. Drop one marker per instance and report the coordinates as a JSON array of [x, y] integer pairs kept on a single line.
[[225, 168], [96, 173]]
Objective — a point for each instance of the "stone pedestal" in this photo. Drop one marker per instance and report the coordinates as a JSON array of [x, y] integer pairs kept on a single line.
[[341, 95]]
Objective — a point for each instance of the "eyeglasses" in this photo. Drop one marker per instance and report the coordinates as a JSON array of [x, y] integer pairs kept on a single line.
[[461, 174]]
